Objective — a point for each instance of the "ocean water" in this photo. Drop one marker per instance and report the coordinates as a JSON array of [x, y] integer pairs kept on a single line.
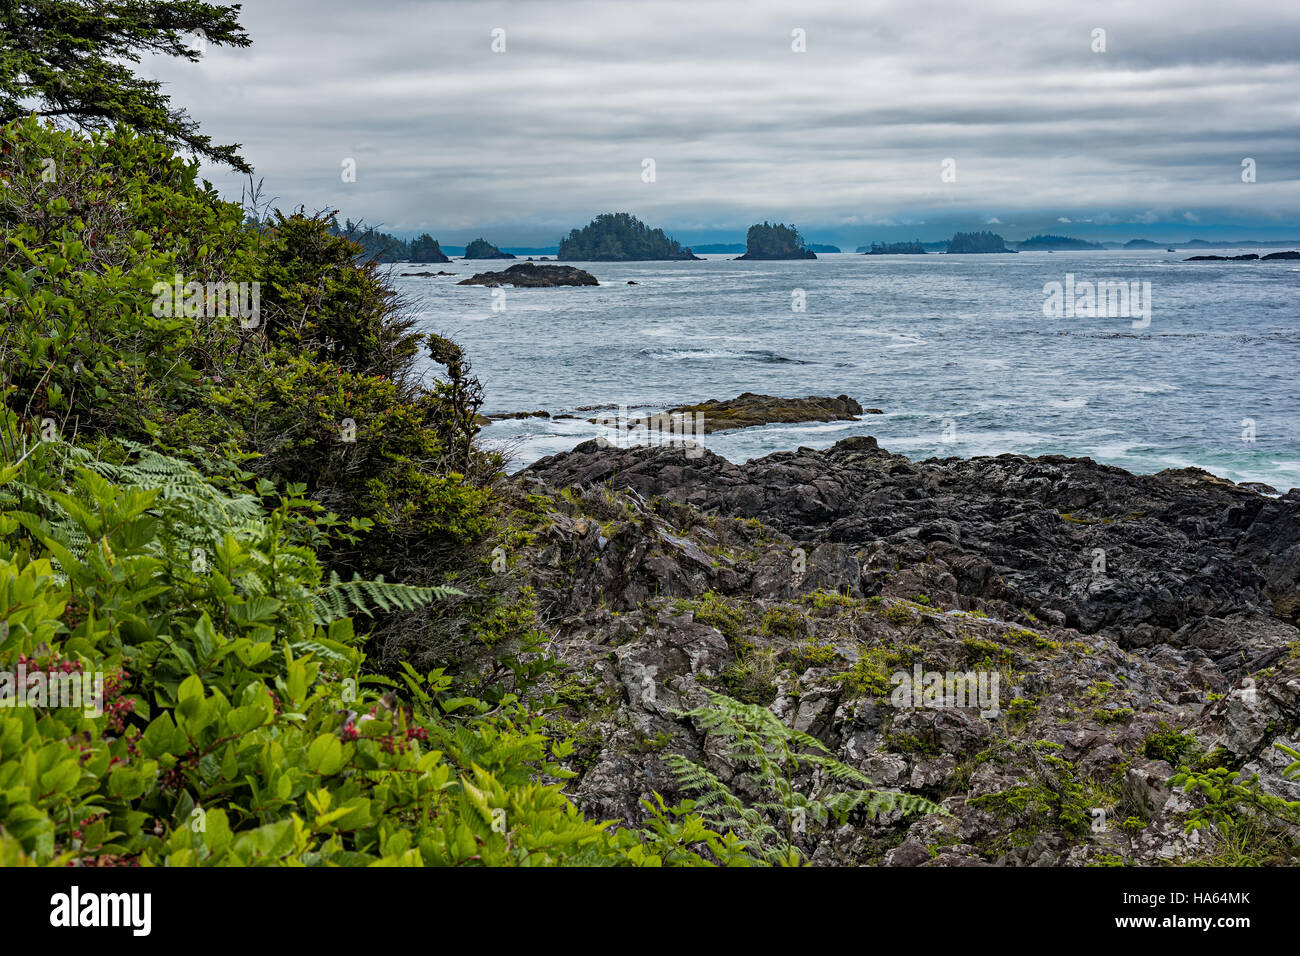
[[955, 350]]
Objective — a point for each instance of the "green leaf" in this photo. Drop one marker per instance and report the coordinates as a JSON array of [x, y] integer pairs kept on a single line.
[[325, 756]]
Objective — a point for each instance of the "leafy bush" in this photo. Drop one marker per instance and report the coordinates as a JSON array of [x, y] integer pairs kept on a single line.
[[324, 387], [236, 726]]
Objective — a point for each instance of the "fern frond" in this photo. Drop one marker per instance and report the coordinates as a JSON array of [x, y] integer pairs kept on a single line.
[[340, 599]]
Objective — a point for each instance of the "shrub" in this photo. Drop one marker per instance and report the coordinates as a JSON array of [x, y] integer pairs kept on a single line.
[[237, 727]]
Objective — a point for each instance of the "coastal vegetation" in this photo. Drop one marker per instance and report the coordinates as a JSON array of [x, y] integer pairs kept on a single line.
[[212, 515], [64, 61], [382, 247], [272, 543]]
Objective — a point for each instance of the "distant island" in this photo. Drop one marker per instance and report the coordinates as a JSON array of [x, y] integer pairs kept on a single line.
[[913, 248], [971, 242], [767, 241], [738, 248], [482, 249], [619, 237], [376, 246], [1248, 257], [1056, 244], [425, 249]]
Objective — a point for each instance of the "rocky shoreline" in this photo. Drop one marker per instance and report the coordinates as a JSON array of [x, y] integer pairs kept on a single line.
[[1135, 624]]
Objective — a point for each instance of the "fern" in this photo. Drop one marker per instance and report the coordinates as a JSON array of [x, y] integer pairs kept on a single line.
[[193, 511], [193, 515], [339, 599], [770, 755]]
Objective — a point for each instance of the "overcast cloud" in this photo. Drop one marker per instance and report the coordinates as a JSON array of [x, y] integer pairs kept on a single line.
[[846, 139]]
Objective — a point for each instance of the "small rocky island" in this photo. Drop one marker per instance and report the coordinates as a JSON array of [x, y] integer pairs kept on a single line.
[[482, 249], [749, 409], [620, 237], [1058, 244], [767, 241], [1247, 257], [425, 248], [913, 248], [965, 243], [528, 275]]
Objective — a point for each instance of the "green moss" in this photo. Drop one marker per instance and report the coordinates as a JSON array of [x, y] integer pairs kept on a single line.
[[1168, 745], [1099, 691], [647, 745], [784, 622], [715, 610], [911, 744], [1051, 796], [751, 678], [1021, 709], [901, 614], [1112, 716], [868, 677], [821, 599], [808, 655], [985, 653]]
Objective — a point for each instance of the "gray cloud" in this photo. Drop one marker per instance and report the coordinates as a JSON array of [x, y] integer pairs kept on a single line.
[[846, 137]]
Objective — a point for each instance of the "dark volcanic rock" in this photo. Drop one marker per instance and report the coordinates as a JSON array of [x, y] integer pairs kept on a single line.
[[1135, 623], [1090, 546], [517, 415], [531, 276]]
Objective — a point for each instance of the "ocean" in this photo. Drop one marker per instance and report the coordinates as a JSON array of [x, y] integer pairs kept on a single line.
[[956, 351]]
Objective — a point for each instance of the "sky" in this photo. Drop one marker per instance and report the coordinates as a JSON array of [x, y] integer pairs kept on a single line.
[[896, 120]]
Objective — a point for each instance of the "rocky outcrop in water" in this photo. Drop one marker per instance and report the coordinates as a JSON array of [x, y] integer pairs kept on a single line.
[[482, 249], [749, 409], [767, 240], [1135, 623], [1247, 257], [966, 243], [530, 276]]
